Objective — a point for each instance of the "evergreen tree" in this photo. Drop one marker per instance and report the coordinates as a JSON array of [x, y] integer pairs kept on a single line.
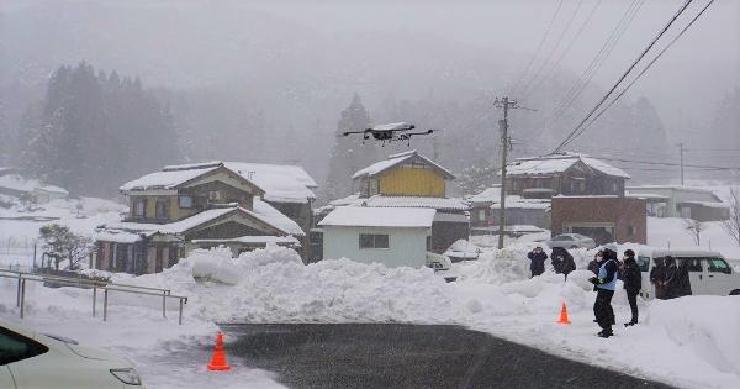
[[95, 132], [349, 153]]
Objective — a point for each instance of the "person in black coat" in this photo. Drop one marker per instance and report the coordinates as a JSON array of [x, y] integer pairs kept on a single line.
[[632, 279], [537, 258], [657, 278], [562, 261], [672, 289], [677, 279]]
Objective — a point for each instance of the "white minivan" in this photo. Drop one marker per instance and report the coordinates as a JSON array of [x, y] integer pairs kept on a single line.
[[709, 272]]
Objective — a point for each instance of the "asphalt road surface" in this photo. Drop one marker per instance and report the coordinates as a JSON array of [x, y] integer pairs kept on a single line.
[[409, 356]]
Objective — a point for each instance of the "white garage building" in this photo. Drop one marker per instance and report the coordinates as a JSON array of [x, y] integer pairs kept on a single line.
[[390, 235]]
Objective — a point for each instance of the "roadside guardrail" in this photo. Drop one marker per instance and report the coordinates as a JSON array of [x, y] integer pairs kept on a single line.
[[93, 284]]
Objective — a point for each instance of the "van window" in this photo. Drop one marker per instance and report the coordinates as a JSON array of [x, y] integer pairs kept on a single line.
[[694, 265], [644, 264], [718, 265]]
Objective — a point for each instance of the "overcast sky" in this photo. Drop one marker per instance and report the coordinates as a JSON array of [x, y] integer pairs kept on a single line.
[[684, 84]]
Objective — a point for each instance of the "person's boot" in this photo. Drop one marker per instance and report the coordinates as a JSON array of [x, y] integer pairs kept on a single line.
[[606, 332]]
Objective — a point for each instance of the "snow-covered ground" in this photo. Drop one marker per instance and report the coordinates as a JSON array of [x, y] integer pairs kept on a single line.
[[683, 342], [19, 227], [691, 342]]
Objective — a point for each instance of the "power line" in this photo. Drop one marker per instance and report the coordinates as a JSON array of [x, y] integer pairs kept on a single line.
[[577, 35], [694, 166], [521, 77], [599, 59], [527, 87], [575, 133], [650, 64]]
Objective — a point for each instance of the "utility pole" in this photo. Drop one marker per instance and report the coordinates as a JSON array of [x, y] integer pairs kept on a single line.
[[505, 104], [681, 150]]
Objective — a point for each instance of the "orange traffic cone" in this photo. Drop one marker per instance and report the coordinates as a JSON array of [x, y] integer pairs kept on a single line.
[[563, 315], [218, 360]]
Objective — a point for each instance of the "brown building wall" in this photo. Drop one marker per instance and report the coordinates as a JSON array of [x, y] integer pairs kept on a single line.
[[627, 215]]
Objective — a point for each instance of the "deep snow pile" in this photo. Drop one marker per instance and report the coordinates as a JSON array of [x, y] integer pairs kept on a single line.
[[683, 342], [493, 294]]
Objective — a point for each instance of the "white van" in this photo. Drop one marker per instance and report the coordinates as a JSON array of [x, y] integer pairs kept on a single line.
[[709, 272]]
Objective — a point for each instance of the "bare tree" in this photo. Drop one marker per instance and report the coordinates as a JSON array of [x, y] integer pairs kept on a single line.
[[694, 228], [60, 243], [732, 225]]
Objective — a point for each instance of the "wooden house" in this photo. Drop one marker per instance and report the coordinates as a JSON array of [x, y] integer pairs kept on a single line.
[[410, 180], [190, 206], [563, 174]]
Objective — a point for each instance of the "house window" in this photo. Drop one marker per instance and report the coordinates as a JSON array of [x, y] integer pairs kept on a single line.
[[161, 209], [373, 187], [482, 215], [186, 201], [375, 241], [140, 208], [630, 231], [214, 195], [615, 187]]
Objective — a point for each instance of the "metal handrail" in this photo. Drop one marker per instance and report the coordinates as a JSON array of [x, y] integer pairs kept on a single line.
[[87, 281], [22, 277]]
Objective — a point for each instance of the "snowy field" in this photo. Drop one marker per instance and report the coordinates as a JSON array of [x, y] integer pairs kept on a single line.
[[692, 342]]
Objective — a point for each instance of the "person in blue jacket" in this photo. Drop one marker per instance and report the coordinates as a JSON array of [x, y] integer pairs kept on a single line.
[[605, 282]]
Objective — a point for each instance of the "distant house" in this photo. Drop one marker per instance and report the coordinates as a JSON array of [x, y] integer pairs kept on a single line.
[[680, 201], [393, 236], [486, 210], [564, 174], [28, 189], [411, 180], [190, 206], [606, 219], [288, 188]]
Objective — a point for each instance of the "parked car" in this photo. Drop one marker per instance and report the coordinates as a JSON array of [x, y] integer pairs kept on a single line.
[[32, 360], [462, 250], [571, 240], [441, 265], [709, 272]]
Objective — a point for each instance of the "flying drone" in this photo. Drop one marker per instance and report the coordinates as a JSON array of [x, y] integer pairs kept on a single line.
[[392, 132]]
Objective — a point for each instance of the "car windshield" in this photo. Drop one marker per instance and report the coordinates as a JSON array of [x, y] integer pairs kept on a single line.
[[15, 347]]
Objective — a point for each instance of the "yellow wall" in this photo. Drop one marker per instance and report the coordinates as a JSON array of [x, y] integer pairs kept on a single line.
[[405, 181]]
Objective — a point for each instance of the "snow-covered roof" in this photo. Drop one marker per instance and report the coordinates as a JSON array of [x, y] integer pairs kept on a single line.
[[442, 204], [252, 239], [704, 204], [400, 158], [118, 236], [350, 216], [524, 204], [262, 211], [272, 216], [488, 195], [170, 177], [559, 164], [646, 196], [21, 184], [281, 183]]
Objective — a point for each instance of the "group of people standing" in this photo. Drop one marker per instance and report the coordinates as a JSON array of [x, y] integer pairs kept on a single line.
[[560, 259], [607, 269], [671, 280]]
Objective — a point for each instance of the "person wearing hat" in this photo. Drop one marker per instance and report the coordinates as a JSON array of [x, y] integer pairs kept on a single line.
[[537, 258], [632, 279], [605, 282]]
